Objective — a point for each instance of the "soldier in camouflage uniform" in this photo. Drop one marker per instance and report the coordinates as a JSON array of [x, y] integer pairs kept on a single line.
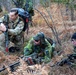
[[41, 46], [15, 30], [73, 39]]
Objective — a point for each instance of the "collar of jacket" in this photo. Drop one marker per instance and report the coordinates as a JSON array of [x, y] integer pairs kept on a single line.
[[16, 20]]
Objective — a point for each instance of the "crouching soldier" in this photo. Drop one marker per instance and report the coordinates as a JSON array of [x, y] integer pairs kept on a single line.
[[14, 30], [73, 39], [72, 57], [39, 49]]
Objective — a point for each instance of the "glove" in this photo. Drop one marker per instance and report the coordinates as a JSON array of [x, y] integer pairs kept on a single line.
[[29, 60]]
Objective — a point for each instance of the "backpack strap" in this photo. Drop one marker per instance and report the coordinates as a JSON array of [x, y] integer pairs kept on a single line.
[[25, 24], [18, 21], [17, 24]]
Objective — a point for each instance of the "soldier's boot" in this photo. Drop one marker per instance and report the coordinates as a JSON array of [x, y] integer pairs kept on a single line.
[[12, 49]]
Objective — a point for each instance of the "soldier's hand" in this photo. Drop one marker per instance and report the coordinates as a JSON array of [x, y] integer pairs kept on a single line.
[[2, 27]]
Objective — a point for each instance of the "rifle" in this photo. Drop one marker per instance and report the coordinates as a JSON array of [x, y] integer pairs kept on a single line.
[[5, 21], [69, 61], [31, 58], [15, 65], [12, 67]]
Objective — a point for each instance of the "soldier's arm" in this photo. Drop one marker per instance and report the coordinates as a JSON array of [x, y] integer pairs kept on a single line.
[[17, 30], [28, 48], [48, 52], [49, 49]]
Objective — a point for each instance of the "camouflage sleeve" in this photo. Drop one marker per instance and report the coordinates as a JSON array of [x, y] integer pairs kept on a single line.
[[17, 30], [28, 48], [48, 52], [1, 19]]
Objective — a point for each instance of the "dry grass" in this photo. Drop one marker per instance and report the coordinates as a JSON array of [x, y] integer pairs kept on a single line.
[[64, 36], [2, 57]]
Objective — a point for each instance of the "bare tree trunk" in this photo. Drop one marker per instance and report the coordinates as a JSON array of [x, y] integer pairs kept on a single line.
[[72, 14]]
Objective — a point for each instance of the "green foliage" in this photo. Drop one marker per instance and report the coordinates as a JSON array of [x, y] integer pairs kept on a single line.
[[29, 7], [70, 3], [20, 3], [45, 3], [75, 6], [61, 1]]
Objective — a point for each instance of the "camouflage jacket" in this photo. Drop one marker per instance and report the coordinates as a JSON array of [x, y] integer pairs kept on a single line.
[[74, 50], [15, 29], [45, 50]]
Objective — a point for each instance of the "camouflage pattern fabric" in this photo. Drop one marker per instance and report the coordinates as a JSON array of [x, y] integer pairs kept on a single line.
[[44, 52], [15, 33]]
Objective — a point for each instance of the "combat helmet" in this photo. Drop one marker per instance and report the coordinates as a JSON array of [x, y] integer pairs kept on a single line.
[[40, 36]]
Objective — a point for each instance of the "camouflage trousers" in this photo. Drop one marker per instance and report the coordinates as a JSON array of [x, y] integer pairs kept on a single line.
[[18, 44]]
